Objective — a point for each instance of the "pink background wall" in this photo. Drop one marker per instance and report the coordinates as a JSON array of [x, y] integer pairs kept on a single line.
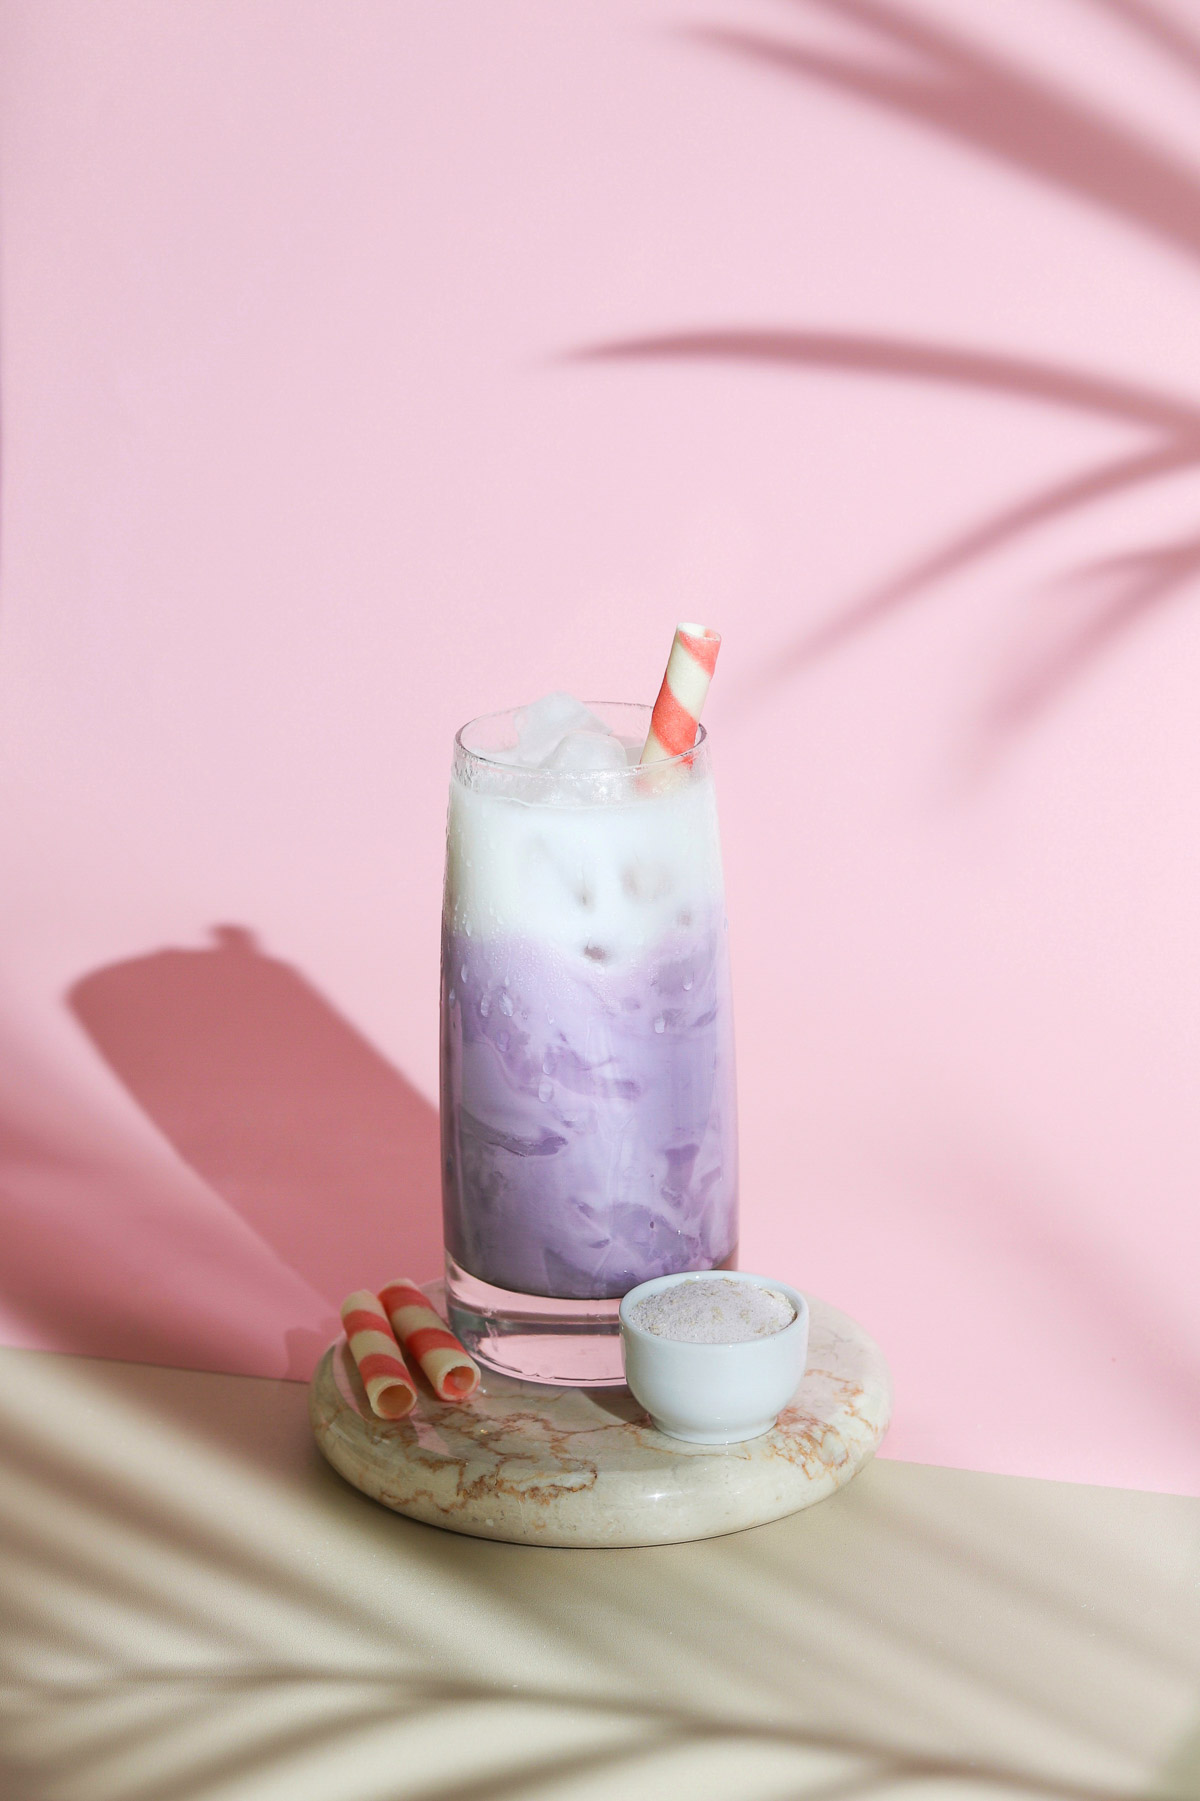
[[366, 366]]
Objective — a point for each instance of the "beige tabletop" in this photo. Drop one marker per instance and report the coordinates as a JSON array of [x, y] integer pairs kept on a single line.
[[195, 1605]]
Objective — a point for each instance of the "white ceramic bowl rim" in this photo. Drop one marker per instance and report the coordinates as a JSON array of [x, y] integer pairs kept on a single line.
[[658, 1283]]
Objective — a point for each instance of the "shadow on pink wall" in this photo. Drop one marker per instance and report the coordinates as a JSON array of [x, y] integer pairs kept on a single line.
[[963, 91], [286, 1112]]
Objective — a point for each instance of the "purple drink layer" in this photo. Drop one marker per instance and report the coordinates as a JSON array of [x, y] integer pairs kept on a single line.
[[589, 1131]]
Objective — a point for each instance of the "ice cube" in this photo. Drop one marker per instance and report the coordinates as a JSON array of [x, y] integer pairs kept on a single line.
[[544, 723], [582, 751]]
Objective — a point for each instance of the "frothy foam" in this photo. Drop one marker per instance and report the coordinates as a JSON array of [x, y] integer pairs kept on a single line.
[[611, 870]]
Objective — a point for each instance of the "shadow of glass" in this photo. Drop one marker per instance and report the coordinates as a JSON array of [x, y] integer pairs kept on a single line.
[[323, 1148]]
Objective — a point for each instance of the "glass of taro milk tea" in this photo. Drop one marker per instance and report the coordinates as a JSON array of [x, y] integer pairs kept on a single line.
[[589, 1132]]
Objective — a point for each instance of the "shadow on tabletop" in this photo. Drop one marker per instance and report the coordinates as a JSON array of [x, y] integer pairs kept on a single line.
[[921, 1627]]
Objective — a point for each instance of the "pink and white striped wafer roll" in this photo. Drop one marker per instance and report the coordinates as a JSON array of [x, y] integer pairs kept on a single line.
[[676, 712], [385, 1375], [450, 1372]]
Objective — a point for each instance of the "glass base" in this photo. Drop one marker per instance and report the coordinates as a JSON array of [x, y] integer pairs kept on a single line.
[[568, 1344]]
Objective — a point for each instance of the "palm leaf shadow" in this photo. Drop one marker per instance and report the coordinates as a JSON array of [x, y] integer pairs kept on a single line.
[[953, 86], [1134, 584], [1159, 29], [950, 85], [661, 1730], [242, 1716]]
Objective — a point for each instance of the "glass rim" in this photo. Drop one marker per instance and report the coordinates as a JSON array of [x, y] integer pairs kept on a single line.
[[572, 775]]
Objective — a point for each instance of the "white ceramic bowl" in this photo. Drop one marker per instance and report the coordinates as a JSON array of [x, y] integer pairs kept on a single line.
[[714, 1394]]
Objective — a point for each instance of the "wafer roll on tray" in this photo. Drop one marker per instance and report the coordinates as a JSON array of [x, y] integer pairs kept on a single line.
[[384, 1329], [385, 1375], [450, 1372]]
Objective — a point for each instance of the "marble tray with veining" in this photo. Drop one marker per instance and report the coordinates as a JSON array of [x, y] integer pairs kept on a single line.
[[584, 1466]]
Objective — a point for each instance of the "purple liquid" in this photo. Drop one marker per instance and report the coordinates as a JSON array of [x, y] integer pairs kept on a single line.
[[589, 1132]]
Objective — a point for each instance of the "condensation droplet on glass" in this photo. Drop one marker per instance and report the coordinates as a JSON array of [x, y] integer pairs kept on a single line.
[[687, 985], [451, 997], [462, 974], [545, 1089], [485, 1005], [506, 1005], [660, 1024]]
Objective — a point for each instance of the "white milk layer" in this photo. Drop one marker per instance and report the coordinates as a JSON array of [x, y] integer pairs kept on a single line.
[[604, 879]]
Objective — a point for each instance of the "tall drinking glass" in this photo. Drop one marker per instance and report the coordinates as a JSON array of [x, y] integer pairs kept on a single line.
[[589, 1132]]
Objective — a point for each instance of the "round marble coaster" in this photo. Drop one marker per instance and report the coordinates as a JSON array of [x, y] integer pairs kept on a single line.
[[584, 1466]]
